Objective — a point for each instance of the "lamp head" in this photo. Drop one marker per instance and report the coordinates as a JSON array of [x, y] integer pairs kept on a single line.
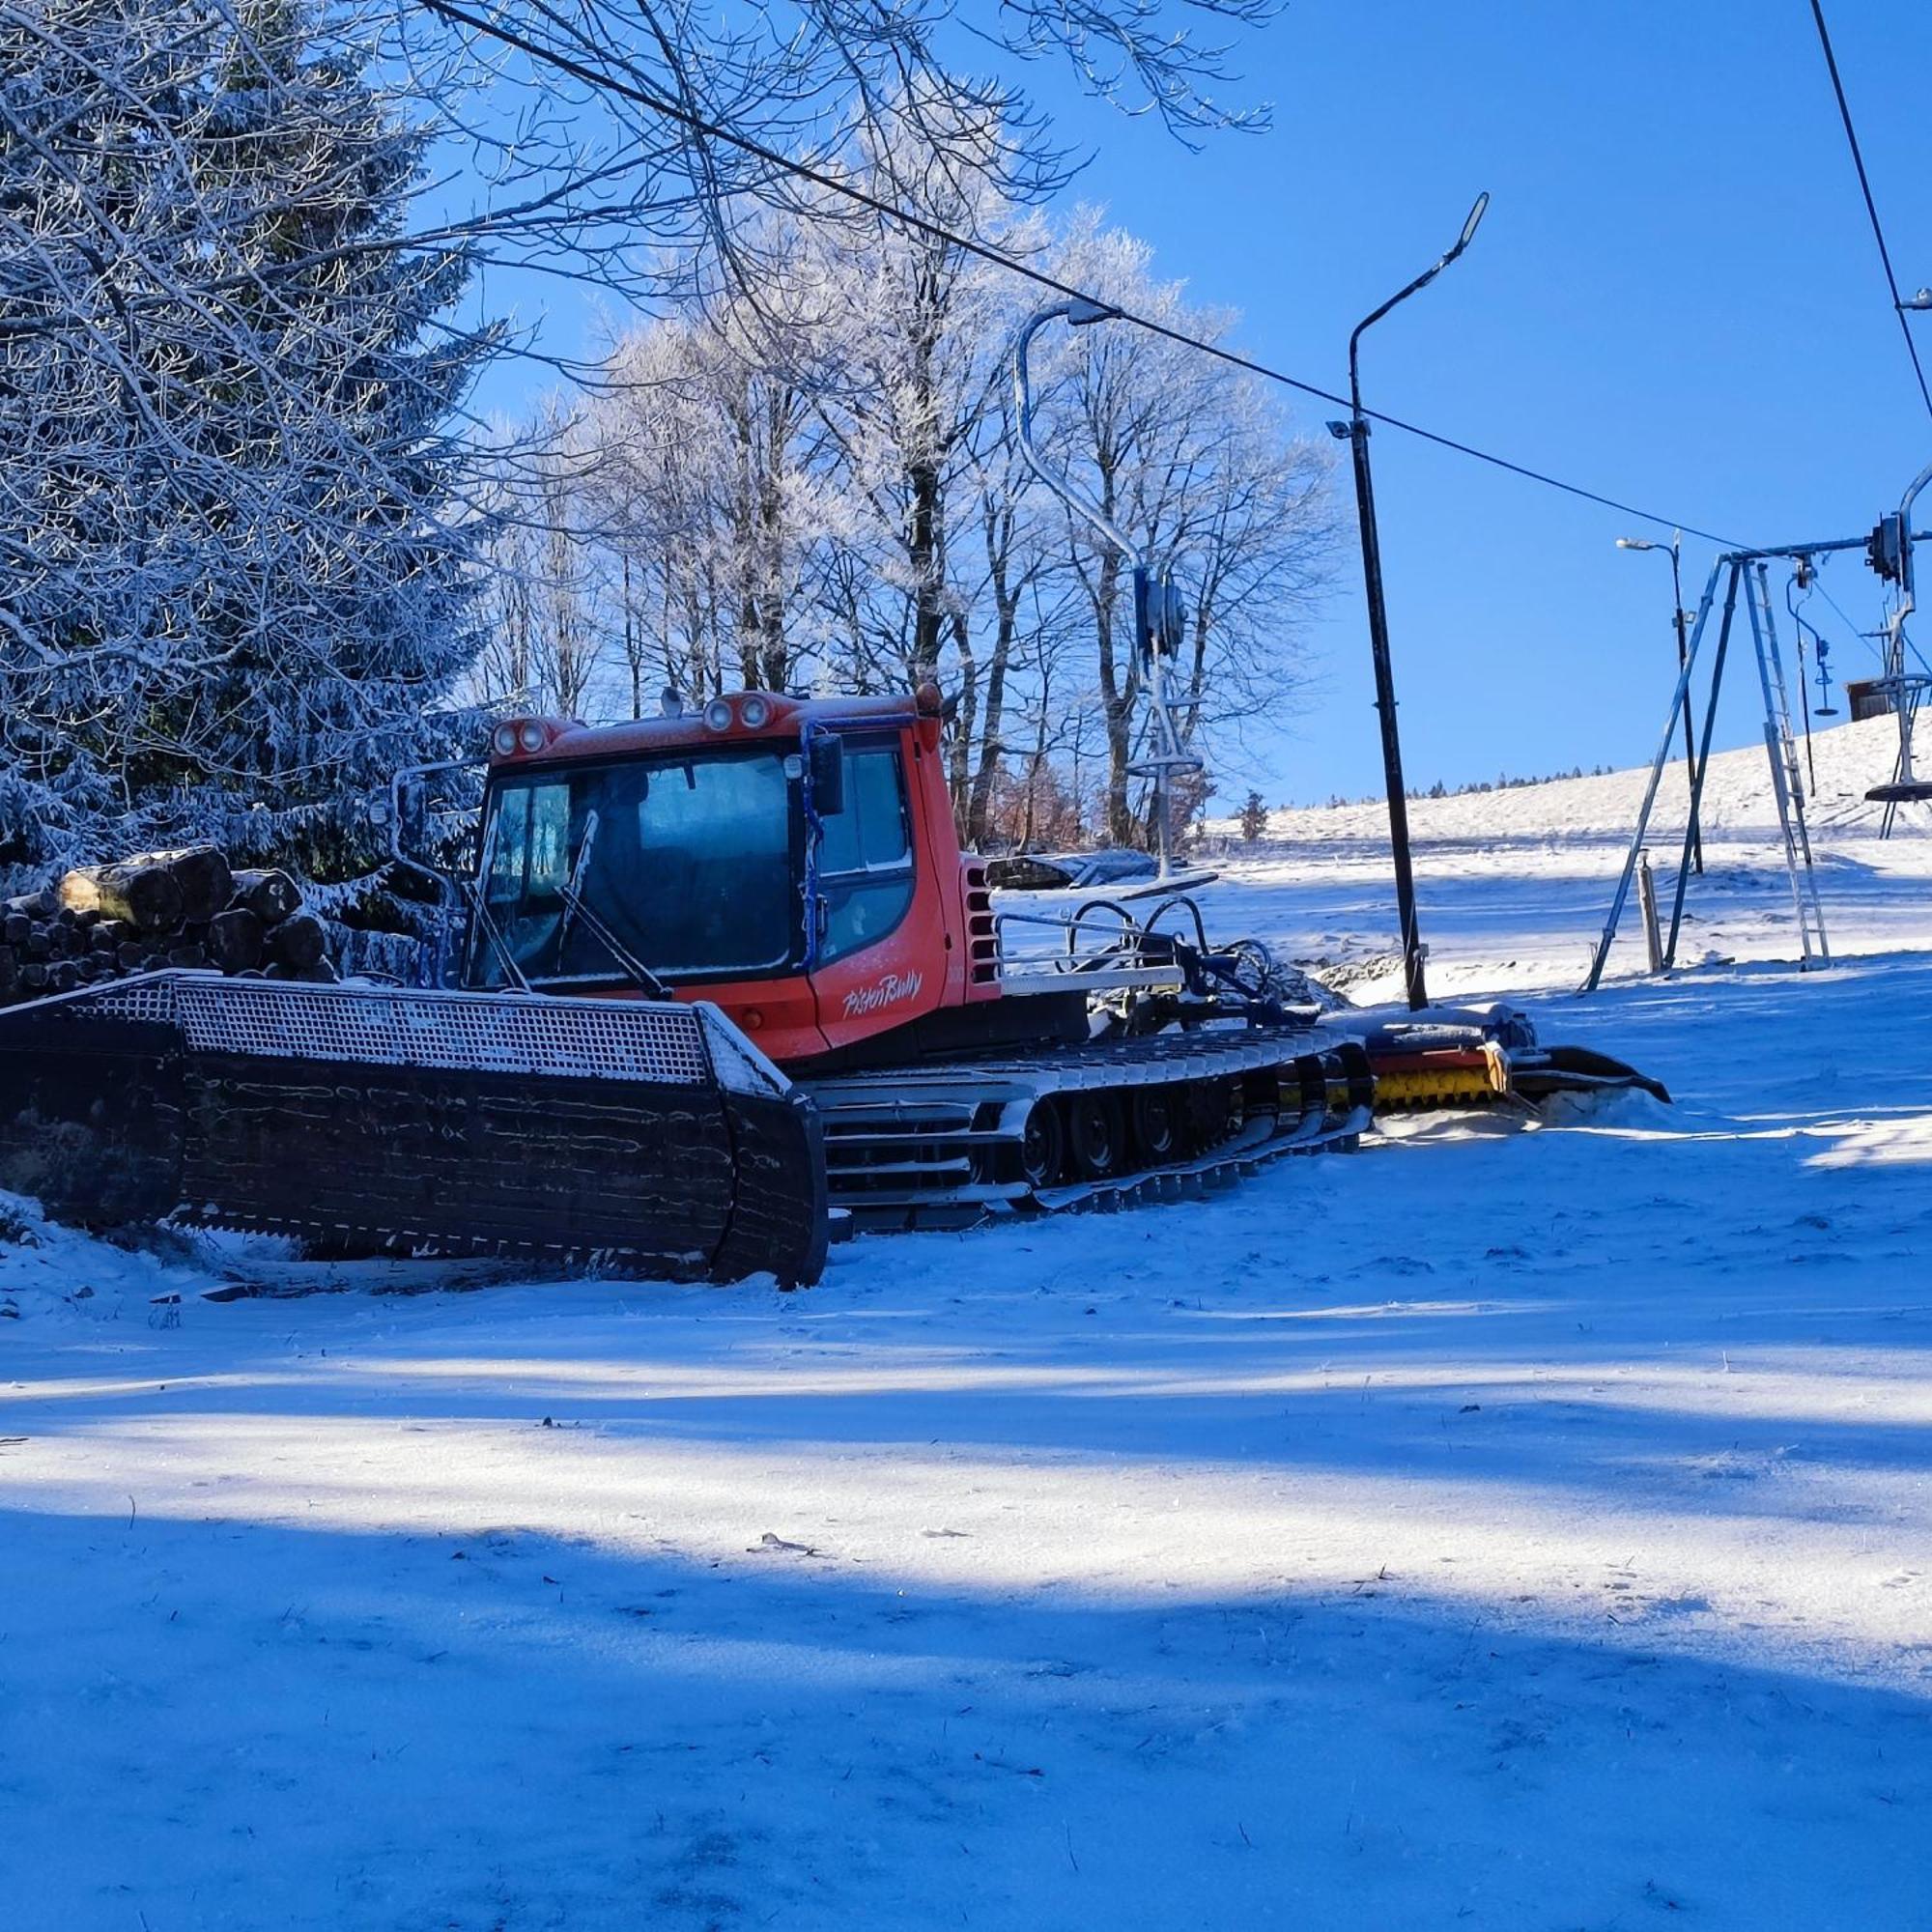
[[1474, 221], [1081, 312]]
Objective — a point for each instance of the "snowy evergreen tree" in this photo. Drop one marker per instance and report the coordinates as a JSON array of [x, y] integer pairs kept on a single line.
[[238, 585]]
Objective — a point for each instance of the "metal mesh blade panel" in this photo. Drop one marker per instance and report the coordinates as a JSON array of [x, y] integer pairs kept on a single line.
[[384, 1027]]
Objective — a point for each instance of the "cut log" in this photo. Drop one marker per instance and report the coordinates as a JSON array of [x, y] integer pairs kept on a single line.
[[271, 895], [202, 873], [14, 927], [130, 955], [34, 975], [144, 891], [63, 977], [299, 941], [188, 955], [235, 940], [322, 974]]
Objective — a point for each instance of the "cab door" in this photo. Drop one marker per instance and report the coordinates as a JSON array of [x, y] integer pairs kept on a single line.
[[879, 931]]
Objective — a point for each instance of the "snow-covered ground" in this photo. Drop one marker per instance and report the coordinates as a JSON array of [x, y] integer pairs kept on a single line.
[[1504, 1526]]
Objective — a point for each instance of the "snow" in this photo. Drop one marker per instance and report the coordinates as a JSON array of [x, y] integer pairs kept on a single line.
[[1514, 886], [1506, 1525]]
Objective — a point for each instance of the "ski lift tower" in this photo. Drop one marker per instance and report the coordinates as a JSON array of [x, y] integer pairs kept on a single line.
[[1889, 551]]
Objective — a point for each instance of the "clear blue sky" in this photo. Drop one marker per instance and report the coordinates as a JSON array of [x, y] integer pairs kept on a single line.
[[1674, 300]]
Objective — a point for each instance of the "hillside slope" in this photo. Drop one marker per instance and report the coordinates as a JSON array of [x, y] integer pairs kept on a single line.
[[1513, 885]]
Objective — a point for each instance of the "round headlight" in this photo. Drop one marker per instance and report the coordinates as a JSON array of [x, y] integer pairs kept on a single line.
[[717, 716], [754, 711], [531, 735], [503, 740]]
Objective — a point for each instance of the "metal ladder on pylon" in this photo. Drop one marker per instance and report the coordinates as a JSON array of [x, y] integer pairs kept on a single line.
[[1786, 781]]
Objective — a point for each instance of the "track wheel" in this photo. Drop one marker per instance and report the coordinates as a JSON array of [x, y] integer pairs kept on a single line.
[[1042, 1144], [1216, 1112], [1155, 1113], [1096, 1135]]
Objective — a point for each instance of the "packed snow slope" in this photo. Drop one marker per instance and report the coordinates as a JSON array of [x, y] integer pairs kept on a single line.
[[1506, 1525], [1512, 886]]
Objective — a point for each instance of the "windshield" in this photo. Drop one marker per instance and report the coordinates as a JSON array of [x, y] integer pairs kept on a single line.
[[686, 861]]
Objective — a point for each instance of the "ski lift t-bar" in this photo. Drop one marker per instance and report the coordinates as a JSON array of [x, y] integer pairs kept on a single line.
[[1159, 618]]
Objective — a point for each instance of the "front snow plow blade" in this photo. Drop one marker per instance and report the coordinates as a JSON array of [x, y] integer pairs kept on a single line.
[[643, 1136]]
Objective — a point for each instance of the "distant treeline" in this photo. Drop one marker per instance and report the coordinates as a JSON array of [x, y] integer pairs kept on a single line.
[[1504, 783]]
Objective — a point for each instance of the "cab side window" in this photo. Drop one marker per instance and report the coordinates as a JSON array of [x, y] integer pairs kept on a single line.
[[864, 854]]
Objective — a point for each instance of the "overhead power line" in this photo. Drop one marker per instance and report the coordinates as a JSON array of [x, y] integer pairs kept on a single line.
[[1871, 206], [713, 130]]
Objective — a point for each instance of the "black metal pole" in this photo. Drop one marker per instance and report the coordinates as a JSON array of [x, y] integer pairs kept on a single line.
[[1689, 737], [1379, 649], [1357, 429]]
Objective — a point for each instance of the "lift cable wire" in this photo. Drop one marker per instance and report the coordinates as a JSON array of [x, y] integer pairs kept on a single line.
[[1871, 206], [713, 130]]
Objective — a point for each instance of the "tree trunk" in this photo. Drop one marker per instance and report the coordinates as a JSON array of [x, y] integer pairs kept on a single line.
[[924, 553], [991, 751], [964, 718]]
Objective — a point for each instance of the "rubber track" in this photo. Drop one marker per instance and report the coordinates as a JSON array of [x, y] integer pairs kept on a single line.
[[908, 1105]]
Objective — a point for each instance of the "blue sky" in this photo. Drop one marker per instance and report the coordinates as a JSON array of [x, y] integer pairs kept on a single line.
[[1674, 300]]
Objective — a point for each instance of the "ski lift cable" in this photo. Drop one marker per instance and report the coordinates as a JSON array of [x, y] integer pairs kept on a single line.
[[699, 124], [1871, 205]]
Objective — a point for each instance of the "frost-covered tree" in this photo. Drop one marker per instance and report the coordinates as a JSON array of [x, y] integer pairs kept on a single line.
[[1208, 475], [706, 506], [814, 480], [236, 588]]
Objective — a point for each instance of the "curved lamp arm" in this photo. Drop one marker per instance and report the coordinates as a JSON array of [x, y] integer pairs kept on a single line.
[[1422, 282], [1077, 312]]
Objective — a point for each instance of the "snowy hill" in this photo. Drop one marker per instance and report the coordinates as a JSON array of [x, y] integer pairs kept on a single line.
[[1513, 885]]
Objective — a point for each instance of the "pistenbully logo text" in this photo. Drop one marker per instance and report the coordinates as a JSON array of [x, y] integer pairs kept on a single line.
[[886, 992]]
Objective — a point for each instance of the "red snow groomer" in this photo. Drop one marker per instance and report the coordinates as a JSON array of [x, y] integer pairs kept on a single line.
[[724, 973]]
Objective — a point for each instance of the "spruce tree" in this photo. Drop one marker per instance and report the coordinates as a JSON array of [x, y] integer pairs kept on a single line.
[[249, 590]]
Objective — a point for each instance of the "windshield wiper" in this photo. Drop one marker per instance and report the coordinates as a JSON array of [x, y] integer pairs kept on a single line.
[[479, 906], [571, 891], [575, 906]]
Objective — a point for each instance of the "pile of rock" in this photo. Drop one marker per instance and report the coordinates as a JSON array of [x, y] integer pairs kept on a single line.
[[184, 908]]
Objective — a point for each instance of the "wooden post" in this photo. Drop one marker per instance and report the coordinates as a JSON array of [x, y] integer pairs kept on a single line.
[[1646, 895]]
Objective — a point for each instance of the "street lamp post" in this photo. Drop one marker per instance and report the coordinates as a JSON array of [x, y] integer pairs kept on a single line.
[[1675, 550], [1355, 431]]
